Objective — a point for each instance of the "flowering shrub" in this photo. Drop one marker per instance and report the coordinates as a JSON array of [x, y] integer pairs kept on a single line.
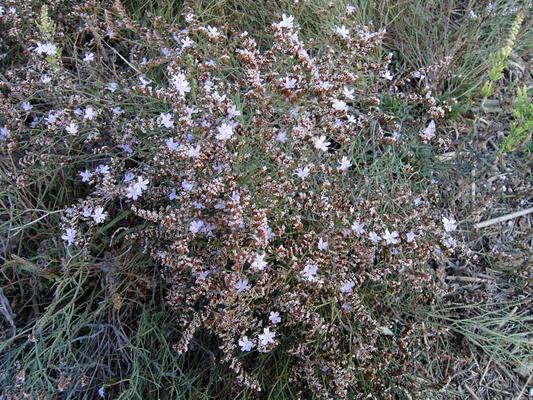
[[242, 172]]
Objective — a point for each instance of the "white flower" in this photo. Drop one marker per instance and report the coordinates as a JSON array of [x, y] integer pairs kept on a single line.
[[101, 392], [267, 337], [89, 113], [86, 175], [410, 237], [46, 48], [171, 144], [287, 21], [259, 262], [302, 172], [241, 286], [89, 57], [345, 164], [274, 317], [196, 226], [449, 224], [46, 79], [282, 137], [348, 93], [350, 9], [342, 31], [144, 81], [69, 236], [391, 237], [245, 343], [212, 32], [321, 143], [429, 132], [193, 152], [339, 105], [187, 42], [166, 120], [26, 106], [180, 83], [472, 15], [225, 132], [347, 287], [99, 215], [289, 83], [309, 272], [117, 110], [86, 212], [387, 75], [72, 128], [322, 245], [374, 237]]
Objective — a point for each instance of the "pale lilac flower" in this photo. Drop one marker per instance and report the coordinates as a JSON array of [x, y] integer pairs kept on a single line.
[[72, 128], [233, 112], [112, 87], [429, 131], [322, 245], [345, 164], [193, 152], [321, 143], [102, 169], [144, 82], [129, 176], [391, 237], [171, 144], [89, 113], [180, 83], [99, 215], [302, 172], [449, 224], [86, 212], [347, 287], [289, 83], [350, 9], [340, 105], [348, 93], [86, 175], [4, 132], [309, 272], [259, 262], [274, 317], [46, 79], [267, 337], [135, 190], [166, 120], [245, 343], [187, 186], [26, 106], [287, 21], [282, 137], [225, 132], [241, 286], [358, 228], [117, 111], [374, 237], [187, 42], [101, 392], [342, 31], [410, 237], [69, 236], [196, 226], [450, 242], [172, 195]]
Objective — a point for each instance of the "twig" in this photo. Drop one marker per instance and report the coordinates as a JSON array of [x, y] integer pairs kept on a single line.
[[469, 389], [503, 218]]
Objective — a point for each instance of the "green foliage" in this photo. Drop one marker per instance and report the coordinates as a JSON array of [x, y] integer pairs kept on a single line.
[[522, 127]]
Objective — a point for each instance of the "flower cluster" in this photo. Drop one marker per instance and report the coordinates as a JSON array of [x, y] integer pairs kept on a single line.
[[247, 188]]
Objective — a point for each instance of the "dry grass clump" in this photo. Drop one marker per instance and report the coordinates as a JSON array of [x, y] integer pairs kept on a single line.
[[284, 193]]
